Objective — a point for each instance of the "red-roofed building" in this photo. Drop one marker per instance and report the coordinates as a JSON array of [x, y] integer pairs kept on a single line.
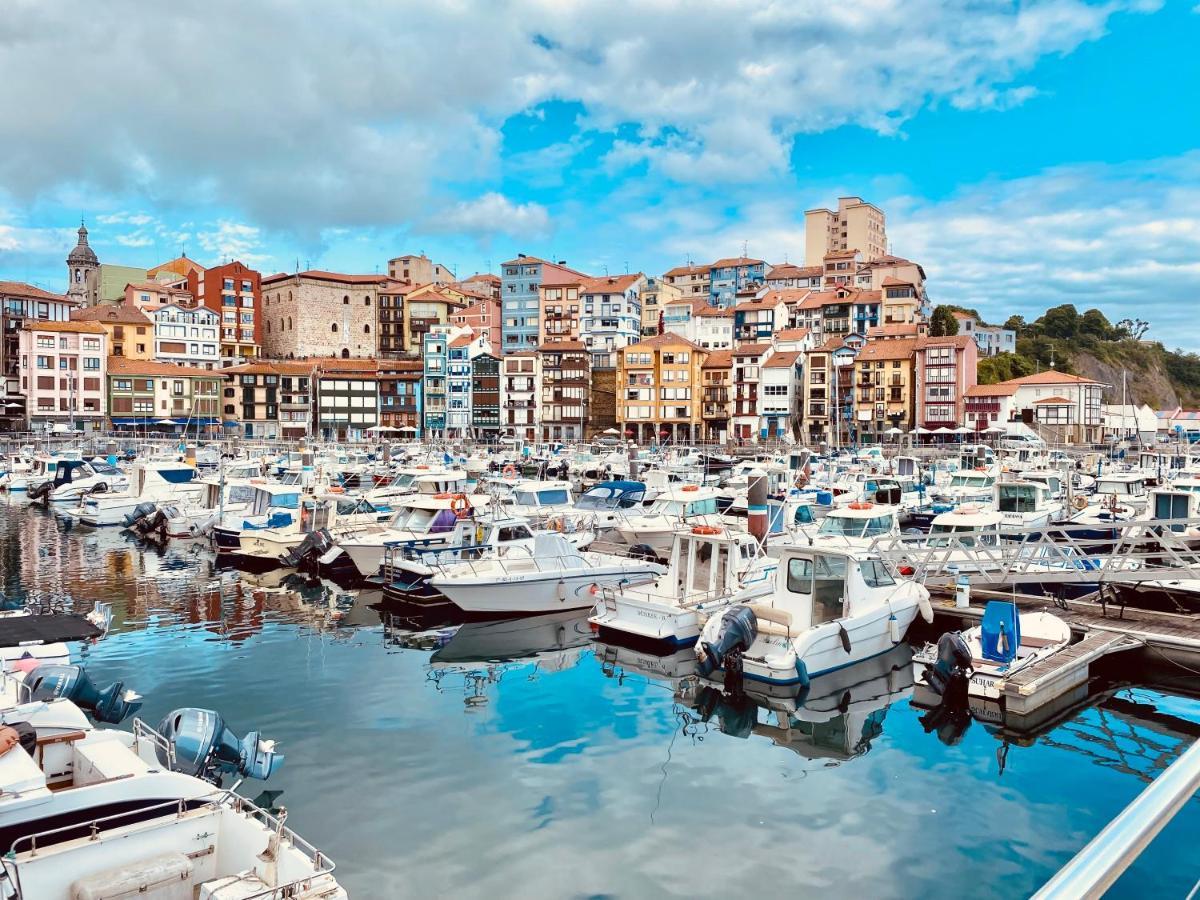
[[717, 410], [792, 277], [319, 313], [62, 374], [693, 281], [611, 317], [1063, 408], [565, 399], [481, 315], [399, 394], [779, 402], [659, 390], [946, 369], [748, 360], [234, 292], [21, 303], [883, 388], [521, 280], [729, 277], [270, 398]]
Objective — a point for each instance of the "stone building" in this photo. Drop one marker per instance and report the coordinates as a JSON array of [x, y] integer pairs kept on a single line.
[[317, 313]]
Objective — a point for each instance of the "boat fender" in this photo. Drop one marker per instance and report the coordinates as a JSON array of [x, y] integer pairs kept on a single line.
[[845, 636], [894, 629], [561, 591], [925, 606]]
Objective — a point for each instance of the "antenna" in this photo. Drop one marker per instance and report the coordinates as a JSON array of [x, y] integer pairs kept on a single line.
[[745, 248]]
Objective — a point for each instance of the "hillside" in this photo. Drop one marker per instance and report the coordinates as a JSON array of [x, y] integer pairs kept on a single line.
[[1087, 344]]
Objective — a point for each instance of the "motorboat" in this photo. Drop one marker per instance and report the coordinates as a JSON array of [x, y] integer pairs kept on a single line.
[[334, 514], [1005, 643], [709, 568], [831, 607], [151, 481], [679, 507], [273, 506], [857, 524], [1025, 504], [608, 503], [552, 576], [75, 478]]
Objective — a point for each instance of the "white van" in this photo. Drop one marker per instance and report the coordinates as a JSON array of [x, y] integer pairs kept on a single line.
[[1018, 440]]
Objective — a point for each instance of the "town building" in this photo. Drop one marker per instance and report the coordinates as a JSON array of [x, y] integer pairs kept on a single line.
[[181, 268], [435, 355], [106, 283], [429, 308], [483, 283], [945, 369], [149, 296], [829, 391], [400, 395], [854, 225], [234, 292], [21, 303], [656, 294], [318, 313], [270, 398], [520, 382], [787, 276], [699, 322], [992, 339], [464, 345], [149, 395], [611, 316], [782, 389], [988, 406], [187, 336], [659, 379], [419, 269], [728, 277], [390, 330], [694, 282], [1062, 408], [564, 404], [346, 398], [521, 280], [486, 394], [883, 385], [748, 360], [759, 318], [559, 305], [717, 398], [130, 330], [482, 316], [63, 375]]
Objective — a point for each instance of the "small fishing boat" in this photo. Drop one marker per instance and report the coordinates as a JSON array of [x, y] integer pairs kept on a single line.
[[678, 507]]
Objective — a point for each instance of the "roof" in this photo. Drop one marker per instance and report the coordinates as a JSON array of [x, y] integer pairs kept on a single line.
[[834, 343], [322, 275], [562, 346], [613, 284], [791, 334], [1003, 389], [480, 276], [686, 270], [784, 360], [960, 315], [789, 270], [818, 299], [463, 340], [897, 348], [889, 260], [180, 265], [841, 254], [1050, 376], [718, 359], [336, 366], [121, 365], [162, 286], [70, 327], [769, 300], [1052, 400], [669, 339], [523, 260], [889, 281], [960, 341], [898, 329], [752, 349], [736, 261], [29, 292], [117, 314], [272, 367]]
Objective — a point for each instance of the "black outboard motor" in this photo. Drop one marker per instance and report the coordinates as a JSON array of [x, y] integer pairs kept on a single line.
[[205, 747], [139, 512], [51, 681], [315, 545], [949, 675], [723, 643]]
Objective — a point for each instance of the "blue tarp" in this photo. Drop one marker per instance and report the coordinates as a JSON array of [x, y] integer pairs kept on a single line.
[[1000, 634]]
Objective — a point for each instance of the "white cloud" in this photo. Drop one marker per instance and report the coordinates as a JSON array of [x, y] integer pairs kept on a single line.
[[489, 215], [307, 116], [232, 240]]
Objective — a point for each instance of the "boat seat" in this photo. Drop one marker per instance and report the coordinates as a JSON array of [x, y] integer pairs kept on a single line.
[[1036, 643], [771, 614], [102, 760]]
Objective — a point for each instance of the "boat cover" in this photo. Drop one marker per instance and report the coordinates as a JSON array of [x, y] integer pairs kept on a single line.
[[46, 628], [1000, 635]]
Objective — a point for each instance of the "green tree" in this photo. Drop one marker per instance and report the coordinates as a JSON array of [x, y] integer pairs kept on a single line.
[[1015, 323], [942, 323], [1059, 322], [1094, 324]]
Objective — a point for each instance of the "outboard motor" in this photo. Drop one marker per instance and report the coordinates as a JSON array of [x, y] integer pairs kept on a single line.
[[315, 545], [948, 676], [40, 491], [139, 512], [204, 747], [51, 681], [723, 641]]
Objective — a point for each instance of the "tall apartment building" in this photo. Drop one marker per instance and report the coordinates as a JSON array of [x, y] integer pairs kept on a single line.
[[855, 225], [186, 336], [717, 398], [400, 395], [779, 400], [63, 370], [565, 375], [521, 280], [748, 361], [559, 306], [390, 330], [883, 384], [234, 292], [486, 396], [418, 269], [21, 303], [659, 385], [346, 398], [520, 376], [270, 398], [945, 369], [318, 313], [611, 316]]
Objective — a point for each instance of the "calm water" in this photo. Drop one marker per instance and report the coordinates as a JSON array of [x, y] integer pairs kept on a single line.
[[562, 774]]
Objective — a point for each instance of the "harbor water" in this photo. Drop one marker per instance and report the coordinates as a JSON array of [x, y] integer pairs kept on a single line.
[[524, 760]]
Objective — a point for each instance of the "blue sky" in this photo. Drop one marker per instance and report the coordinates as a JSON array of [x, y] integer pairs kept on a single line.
[[1027, 154]]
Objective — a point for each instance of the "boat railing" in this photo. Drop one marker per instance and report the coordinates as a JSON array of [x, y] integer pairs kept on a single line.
[[1097, 866], [20, 689], [150, 816], [163, 748], [1140, 550], [520, 559]]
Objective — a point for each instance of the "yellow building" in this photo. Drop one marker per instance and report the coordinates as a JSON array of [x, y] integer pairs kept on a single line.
[[659, 390], [883, 388], [655, 295], [130, 331], [854, 225]]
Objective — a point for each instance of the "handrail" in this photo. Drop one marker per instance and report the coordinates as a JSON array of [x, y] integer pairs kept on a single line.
[[1093, 869]]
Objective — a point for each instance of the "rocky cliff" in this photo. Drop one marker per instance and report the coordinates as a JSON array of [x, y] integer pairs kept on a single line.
[[1146, 378]]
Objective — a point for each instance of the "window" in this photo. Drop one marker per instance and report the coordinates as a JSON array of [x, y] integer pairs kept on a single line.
[[876, 574], [366, 329], [92, 363], [333, 327], [346, 301]]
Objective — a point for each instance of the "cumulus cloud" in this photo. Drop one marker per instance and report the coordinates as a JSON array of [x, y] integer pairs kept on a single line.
[[305, 116], [232, 240], [491, 214]]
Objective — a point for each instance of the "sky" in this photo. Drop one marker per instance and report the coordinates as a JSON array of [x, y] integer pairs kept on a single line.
[[1026, 154]]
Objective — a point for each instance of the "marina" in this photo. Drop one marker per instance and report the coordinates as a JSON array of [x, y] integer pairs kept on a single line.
[[607, 746]]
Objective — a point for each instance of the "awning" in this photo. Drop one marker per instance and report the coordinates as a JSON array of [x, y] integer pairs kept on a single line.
[[151, 420]]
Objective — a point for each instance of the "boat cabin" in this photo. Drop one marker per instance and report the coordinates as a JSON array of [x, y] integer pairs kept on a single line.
[[823, 584], [609, 495], [859, 521], [966, 526]]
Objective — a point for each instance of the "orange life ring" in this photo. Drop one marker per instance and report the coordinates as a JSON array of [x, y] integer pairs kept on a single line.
[[691, 487], [510, 471], [705, 529], [337, 489], [861, 504], [461, 506], [422, 468], [981, 468], [444, 495]]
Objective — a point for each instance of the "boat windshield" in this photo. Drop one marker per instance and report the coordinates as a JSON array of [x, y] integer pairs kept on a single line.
[[940, 536], [285, 501], [971, 479], [556, 497], [1017, 498], [609, 498], [845, 526]]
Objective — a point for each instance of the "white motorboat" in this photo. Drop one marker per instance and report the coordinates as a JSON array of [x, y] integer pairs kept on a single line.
[[74, 478], [1025, 504], [273, 506], [709, 569], [553, 576], [830, 608], [335, 513], [989, 654], [678, 507], [857, 524], [151, 481]]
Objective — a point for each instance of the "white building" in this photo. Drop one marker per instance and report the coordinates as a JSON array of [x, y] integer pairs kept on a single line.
[[187, 336], [779, 393], [704, 325], [612, 316], [992, 339]]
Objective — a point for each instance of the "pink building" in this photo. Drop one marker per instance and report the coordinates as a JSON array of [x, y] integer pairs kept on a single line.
[[63, 369], [945, 368], [481, 315]]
